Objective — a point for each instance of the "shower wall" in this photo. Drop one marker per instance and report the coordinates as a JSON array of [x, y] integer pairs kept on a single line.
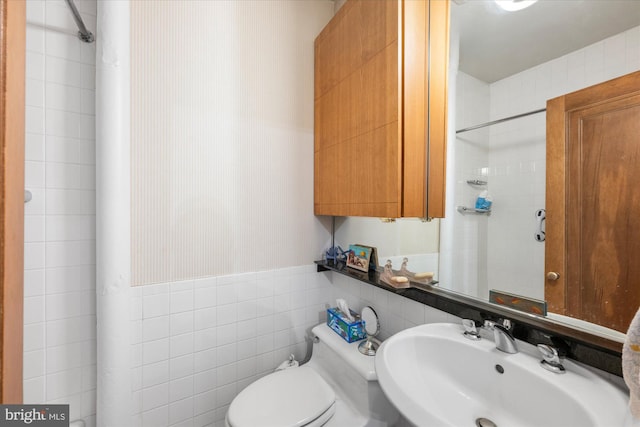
[[466, 241], [59, 286]]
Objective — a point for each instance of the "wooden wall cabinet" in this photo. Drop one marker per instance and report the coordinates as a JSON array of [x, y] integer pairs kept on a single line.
[[380, 109]]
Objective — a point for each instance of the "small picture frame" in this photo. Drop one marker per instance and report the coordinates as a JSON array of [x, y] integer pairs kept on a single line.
[[373, 259], [359, 257]]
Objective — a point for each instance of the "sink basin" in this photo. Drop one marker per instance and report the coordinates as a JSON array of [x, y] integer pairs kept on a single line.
[[436, 377]]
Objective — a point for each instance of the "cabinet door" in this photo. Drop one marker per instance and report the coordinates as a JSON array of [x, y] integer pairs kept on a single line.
[[372, 150], [357, 115], [425, 68], [593, 237]]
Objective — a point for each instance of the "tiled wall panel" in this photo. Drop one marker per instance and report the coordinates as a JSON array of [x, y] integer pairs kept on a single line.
[[197, 343], [59, 344]]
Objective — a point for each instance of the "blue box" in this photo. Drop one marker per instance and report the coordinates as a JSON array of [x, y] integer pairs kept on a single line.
[[349, 331]]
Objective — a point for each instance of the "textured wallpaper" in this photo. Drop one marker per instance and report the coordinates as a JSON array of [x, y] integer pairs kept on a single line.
[[222, 137]]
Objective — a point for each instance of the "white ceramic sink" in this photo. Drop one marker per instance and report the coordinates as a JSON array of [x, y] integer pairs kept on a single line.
[[437, 377]]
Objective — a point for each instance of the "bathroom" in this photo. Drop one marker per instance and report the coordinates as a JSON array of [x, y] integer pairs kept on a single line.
[[156, 296]]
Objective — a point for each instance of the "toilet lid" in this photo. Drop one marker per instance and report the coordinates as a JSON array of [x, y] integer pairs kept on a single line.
[[292, 398]]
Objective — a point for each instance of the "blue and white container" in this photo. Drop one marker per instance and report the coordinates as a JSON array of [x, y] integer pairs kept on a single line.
[[484, 201]]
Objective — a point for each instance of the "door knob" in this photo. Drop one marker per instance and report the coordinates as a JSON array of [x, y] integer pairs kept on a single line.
[[552, 275]]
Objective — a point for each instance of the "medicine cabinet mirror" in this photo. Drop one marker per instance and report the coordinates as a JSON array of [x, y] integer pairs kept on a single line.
[[505, 64]]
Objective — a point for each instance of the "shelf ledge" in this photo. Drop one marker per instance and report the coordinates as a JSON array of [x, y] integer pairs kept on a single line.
[[465, 210]]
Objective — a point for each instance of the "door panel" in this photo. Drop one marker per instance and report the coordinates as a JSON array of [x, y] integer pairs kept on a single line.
[[12, 76], [599, 153]]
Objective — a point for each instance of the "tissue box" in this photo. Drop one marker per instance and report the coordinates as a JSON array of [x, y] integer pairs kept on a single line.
[[350, 332]]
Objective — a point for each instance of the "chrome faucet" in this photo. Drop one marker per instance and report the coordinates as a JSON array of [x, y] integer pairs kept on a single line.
[[504, 340], [551, 360], [470, 330]]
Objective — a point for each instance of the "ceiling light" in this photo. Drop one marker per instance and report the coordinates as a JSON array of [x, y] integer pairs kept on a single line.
[[513, 5]]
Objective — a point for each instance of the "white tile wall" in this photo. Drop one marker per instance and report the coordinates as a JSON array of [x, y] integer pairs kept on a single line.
[[465, 262], [59, 345], [396, 313], [197, 343], [229, 331]]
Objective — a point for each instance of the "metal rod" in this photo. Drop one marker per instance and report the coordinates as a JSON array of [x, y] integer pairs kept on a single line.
[[495, 122], [83, 34], [333, 233]]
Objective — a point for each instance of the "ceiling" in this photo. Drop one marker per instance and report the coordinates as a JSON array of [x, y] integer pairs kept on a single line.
[[495, 44]]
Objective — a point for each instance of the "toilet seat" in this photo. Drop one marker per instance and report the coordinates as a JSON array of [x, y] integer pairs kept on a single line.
[[294, 397]]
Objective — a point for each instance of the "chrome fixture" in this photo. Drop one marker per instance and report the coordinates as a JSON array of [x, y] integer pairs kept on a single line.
[[551, 360], [27, 196], [539, 234], [466, 210], [83, 34], [495, 122], [470, 330], [372, 328], [503, 338]]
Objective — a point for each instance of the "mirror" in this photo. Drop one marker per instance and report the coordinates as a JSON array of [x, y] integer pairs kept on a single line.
[[505, 64], [372, 328]]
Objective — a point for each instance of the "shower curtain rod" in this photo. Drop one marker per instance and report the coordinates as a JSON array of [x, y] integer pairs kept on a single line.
[[83, 34], [495, 122]]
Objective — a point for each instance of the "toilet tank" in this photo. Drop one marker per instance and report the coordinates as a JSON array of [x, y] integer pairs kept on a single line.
[[351, 373]]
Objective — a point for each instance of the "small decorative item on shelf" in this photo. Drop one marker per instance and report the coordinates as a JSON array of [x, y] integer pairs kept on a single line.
[[387, 276], [363, 258], [336, 254], [425, 278]]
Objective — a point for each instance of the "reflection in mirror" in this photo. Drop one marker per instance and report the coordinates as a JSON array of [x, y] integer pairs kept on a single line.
[[407, 237], [506, 64]]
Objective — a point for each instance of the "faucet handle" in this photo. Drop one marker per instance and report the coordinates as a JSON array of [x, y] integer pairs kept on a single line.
[[470, 330], [504, 323], [489, 324], [551, 361]]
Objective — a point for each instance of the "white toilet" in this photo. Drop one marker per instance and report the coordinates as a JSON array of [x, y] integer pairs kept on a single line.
[[338, 387]]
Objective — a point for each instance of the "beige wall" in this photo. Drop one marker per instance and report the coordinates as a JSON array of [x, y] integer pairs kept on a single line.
[[222, 137]]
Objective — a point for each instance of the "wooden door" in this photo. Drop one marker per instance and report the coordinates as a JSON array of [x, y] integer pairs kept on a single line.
[[12, 77], [593, 203]]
